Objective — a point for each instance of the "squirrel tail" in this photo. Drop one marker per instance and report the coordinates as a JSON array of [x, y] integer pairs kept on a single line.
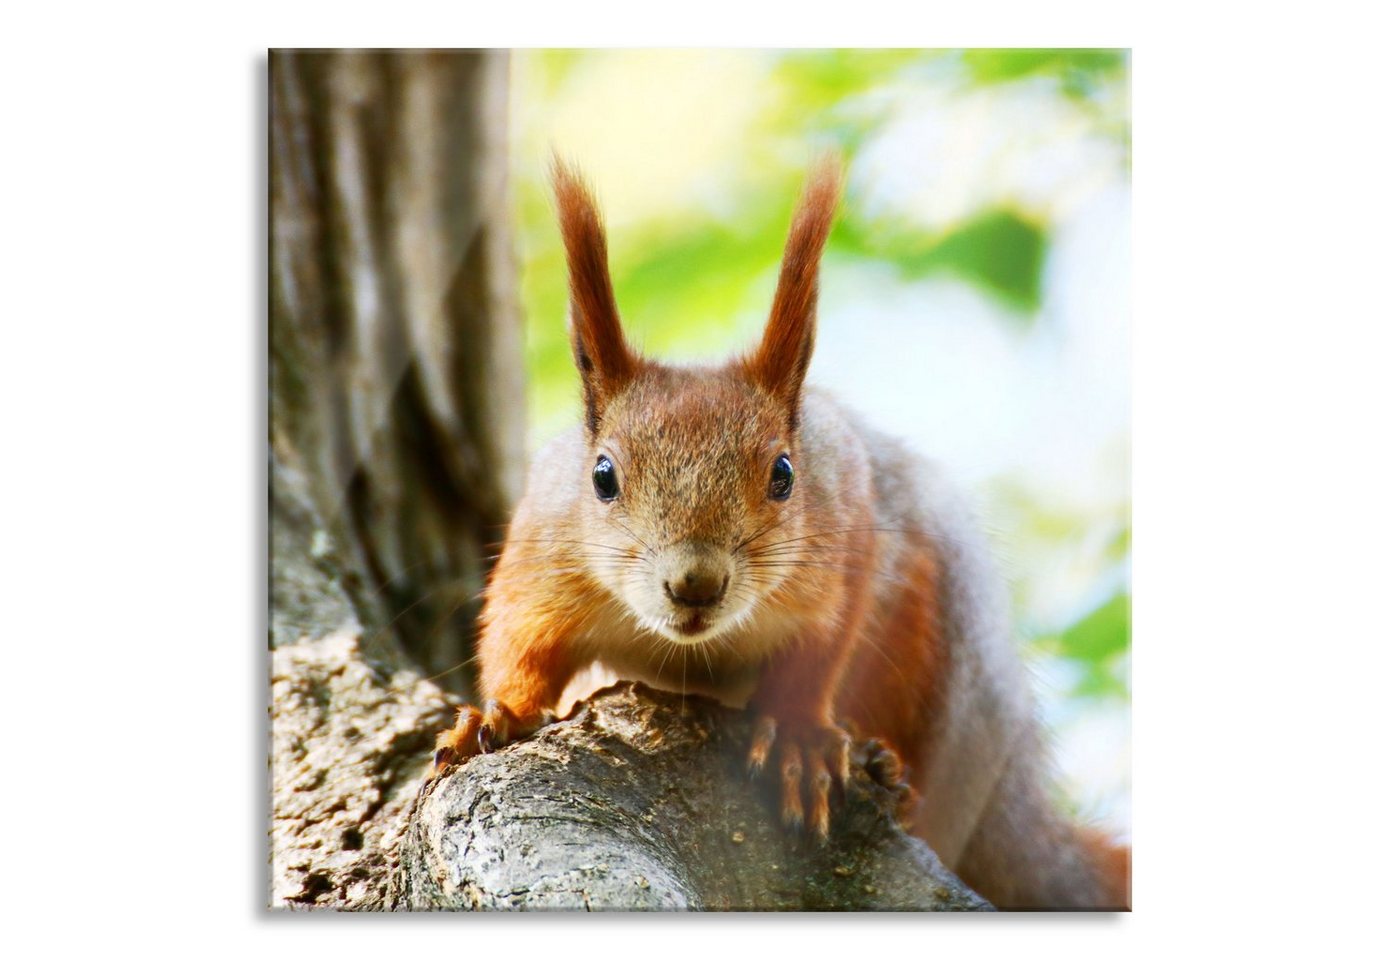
[[1024, 854], [1113, 864]]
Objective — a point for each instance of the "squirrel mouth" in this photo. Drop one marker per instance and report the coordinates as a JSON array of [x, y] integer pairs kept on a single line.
[[692, 626]]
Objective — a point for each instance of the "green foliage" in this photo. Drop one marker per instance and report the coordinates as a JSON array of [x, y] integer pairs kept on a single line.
[[1079, 71], [1097, 644], [555, 67], [688, 288], [1001, 251], [823, 90], [829, 76]]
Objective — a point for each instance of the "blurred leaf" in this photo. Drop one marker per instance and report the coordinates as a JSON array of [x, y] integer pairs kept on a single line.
[[829, 76], [553, 66], [1080, 71], [824, 93], [688, 286], [1001, 251], [1097, 643], [1122, 546], [1101, 634]]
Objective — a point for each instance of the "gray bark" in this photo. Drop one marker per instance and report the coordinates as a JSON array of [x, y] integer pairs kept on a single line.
[[640, 801], [395, 339], [351, 724], [351, 738]]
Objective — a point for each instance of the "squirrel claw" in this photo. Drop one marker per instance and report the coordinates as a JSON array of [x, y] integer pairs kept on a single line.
[[881, 762], [886, 768], [480, 731], [810, 758], [765, 731]]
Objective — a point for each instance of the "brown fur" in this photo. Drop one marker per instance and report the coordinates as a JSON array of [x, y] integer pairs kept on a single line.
[[780, 362], [861, 601], [600, 349]]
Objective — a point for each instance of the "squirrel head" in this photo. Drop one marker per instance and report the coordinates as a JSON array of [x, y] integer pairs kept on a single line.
[[695, 478]]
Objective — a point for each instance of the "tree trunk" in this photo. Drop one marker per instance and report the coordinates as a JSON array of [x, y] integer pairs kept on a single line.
[[396, 361]]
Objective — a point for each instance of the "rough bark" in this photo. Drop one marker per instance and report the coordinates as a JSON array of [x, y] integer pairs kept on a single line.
[[640, 801], [351, 722], [350, 742], [395, 338]]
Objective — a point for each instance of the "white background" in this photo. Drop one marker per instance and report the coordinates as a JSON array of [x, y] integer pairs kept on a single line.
[[132, 382]]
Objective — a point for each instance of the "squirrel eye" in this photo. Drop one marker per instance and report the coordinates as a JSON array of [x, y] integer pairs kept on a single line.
[[780, 482], [605, 480]]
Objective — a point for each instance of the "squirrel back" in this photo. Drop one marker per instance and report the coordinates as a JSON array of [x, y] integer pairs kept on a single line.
[[965, 722]]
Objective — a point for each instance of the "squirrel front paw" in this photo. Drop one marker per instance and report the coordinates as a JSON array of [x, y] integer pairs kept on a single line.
[[883, 765], [809, 756], [481, 731]]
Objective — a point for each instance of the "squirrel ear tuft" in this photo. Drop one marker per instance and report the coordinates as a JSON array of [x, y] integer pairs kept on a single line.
[[780, 362], [604, 360]]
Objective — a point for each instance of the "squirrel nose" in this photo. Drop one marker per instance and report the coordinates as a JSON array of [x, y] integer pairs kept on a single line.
[[697, 588]]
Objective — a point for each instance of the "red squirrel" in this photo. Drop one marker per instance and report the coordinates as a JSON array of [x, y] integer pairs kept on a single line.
[[726, 530]]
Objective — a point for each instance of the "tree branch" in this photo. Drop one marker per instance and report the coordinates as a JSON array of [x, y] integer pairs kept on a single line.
[[640, 801]]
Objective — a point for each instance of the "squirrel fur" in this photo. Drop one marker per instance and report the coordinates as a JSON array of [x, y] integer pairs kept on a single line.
[[726, 530]]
